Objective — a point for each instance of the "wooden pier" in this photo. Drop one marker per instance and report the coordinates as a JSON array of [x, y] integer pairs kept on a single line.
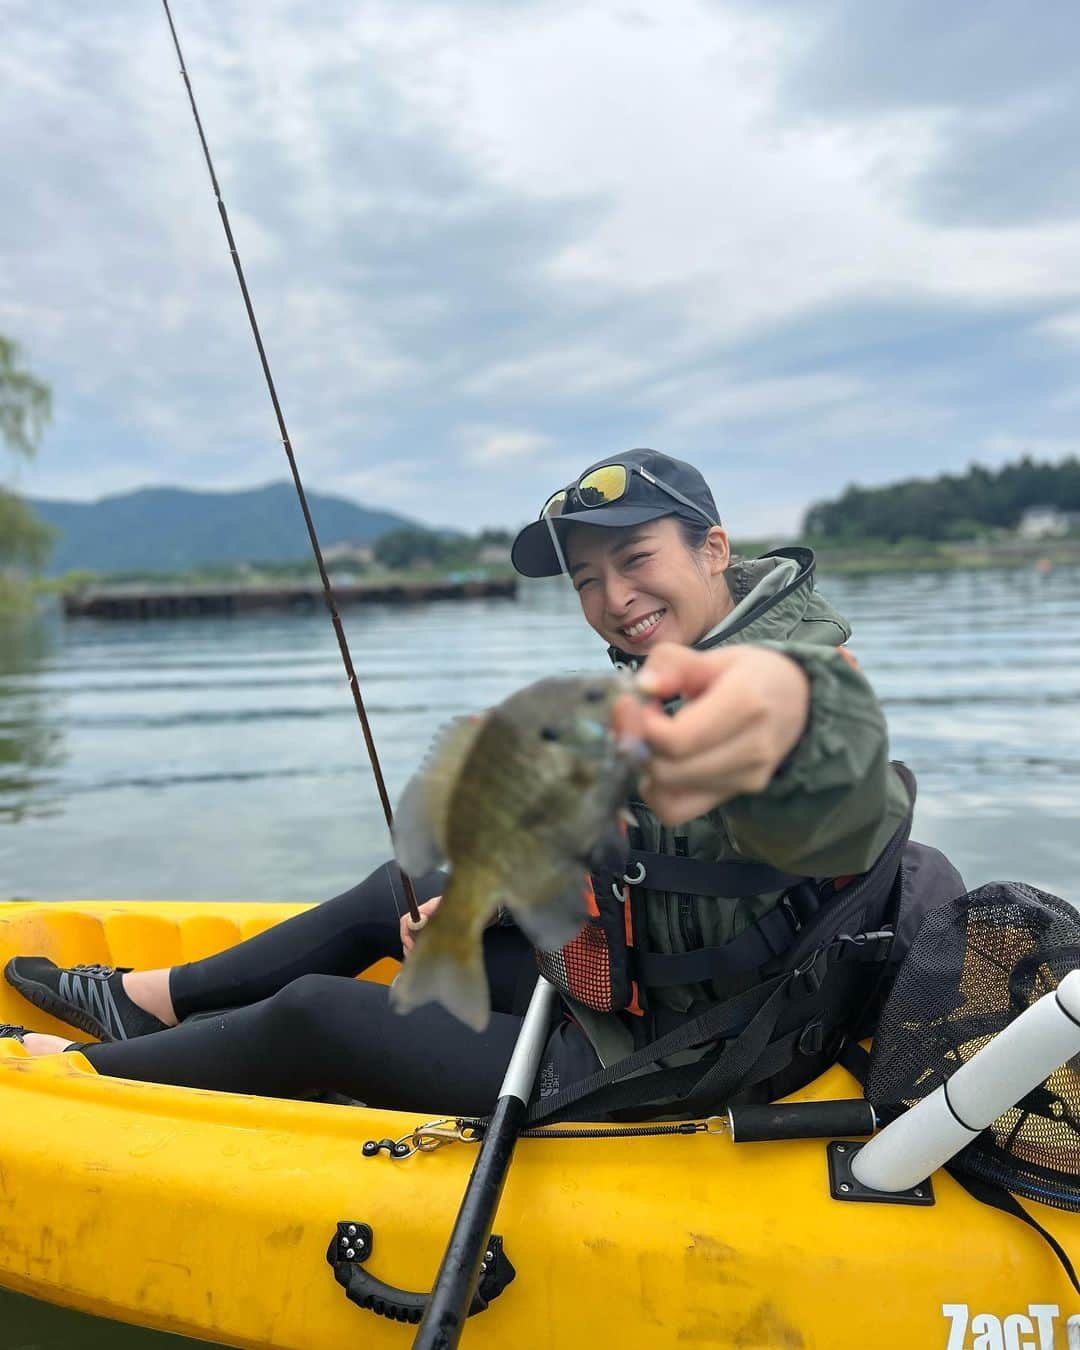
[[187, 601]]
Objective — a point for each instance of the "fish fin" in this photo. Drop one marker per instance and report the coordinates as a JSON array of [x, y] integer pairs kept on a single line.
[[420, 818], [554, 924], [438, 973]]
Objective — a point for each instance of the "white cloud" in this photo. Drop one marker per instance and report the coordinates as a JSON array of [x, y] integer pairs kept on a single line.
[[1010, 445], [712, 399], [481, 235], [671, 128], [587, 368], [1065, 326], [487, 445]]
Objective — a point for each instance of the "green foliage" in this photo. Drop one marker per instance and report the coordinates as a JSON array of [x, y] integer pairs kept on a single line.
[[409, 547], [950, 506], [24, 540], [25, 403]]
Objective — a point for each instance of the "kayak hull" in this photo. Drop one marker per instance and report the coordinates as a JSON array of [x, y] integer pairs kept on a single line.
[[210, 1214]]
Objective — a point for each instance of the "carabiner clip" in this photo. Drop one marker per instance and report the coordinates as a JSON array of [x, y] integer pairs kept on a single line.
[[434, 1134]]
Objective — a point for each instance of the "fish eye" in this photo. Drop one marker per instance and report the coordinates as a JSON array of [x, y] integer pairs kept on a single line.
[[594, 694], [549, 733]]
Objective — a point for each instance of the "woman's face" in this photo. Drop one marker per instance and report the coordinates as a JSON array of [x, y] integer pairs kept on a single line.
[[641, 585]]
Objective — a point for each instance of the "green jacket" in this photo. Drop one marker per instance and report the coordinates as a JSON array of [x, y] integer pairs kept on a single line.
[[828, 811]]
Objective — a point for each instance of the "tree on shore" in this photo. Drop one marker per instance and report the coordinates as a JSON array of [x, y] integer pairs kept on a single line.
[[950, 506], [25, 406], [410, 546]]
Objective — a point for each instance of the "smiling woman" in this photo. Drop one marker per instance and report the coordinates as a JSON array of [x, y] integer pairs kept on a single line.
[[767, 808], [646, 584]]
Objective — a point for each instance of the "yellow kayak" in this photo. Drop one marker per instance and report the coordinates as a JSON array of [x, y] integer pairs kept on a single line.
[[210, 1214]]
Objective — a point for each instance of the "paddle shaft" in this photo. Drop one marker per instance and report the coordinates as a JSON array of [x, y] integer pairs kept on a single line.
[[454, 1285]]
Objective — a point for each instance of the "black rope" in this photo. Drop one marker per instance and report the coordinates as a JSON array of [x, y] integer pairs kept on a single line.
[[331, 604], [479, 1127]]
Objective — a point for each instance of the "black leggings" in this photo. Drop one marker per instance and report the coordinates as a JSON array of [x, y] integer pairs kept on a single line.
[[290, 1021]]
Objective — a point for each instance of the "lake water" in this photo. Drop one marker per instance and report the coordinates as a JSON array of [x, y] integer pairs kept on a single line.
[[221, 759]]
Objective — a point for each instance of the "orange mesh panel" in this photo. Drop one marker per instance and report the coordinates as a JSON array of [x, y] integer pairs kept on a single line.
[[582, 968]]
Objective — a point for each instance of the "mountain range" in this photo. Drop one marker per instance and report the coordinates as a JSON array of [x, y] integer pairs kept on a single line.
[[167, 529]]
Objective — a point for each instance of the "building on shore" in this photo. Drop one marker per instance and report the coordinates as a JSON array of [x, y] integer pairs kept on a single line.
[[1047, 522]]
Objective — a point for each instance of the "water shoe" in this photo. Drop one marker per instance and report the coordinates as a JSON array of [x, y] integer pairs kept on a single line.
[[90, 997]]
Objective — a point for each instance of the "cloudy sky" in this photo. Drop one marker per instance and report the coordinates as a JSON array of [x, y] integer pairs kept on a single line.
[[800, 242]]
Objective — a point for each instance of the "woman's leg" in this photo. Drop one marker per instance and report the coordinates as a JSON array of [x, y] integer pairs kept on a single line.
[[343, 936], [326, 1033], [329, 1033]]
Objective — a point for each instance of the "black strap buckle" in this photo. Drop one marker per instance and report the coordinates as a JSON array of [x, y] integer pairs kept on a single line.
[[870, 947], [812, 971]]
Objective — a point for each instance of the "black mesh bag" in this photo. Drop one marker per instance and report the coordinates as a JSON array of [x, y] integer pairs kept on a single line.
[[975, 964]]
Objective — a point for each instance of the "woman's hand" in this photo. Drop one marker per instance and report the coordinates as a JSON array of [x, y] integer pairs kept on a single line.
[[408, 934], [745, 709]]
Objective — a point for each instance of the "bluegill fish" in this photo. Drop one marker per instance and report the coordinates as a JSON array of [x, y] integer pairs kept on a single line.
[[520, 801]]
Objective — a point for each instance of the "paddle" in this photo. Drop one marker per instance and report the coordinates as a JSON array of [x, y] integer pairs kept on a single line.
[[460, 1269]]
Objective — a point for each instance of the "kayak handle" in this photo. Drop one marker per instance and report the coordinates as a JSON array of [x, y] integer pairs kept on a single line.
[[801, 1120], [351, 1246]]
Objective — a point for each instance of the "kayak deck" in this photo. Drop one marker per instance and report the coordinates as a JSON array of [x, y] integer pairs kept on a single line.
[[210, 1214]]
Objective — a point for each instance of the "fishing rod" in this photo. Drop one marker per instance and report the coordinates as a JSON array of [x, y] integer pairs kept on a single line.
[[416, 919], [452, 1292]]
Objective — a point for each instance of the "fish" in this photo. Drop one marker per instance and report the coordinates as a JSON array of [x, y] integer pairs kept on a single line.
[[521, 801]]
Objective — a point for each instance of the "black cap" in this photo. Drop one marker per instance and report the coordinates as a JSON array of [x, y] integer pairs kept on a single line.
[[533, 553]]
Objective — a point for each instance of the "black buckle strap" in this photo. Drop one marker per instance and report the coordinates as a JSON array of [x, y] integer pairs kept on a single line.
[[745, 1049], [598, 1092], [866, 947], [698, 876], [762, 942]]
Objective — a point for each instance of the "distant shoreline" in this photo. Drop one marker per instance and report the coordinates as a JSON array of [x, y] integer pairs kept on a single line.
[[178, 600], [1041, 555], [255, 589]]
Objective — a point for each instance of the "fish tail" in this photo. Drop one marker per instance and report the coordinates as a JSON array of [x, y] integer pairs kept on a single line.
[[446, 966]]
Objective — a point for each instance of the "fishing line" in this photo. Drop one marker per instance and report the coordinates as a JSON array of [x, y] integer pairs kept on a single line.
[[415, 917]]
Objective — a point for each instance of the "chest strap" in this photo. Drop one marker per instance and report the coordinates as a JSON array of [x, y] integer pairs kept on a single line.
[[771, 936], [696, 876], [757, 945]]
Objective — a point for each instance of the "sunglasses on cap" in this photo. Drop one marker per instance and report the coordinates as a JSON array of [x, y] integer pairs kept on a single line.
[[609, 484]]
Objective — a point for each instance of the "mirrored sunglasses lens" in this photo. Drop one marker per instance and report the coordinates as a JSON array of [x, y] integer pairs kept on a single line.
[[603, 485], [554, 504]]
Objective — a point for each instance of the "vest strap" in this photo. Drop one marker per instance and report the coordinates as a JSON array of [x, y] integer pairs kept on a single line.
[[738, 1033], [754, 947], [697, 876]]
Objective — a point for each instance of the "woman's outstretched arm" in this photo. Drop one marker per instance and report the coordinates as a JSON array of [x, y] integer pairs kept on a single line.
[[785, 740]]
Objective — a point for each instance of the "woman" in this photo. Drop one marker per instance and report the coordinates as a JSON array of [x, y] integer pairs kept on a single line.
[[774, 768]]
